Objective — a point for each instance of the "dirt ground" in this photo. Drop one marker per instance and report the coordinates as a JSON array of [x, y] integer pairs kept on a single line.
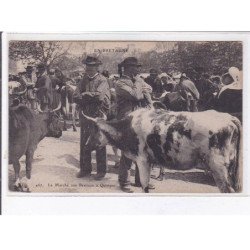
[[56, 163]]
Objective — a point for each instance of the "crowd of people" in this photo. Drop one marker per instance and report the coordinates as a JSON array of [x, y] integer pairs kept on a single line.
[[41, 88], [98, 94]]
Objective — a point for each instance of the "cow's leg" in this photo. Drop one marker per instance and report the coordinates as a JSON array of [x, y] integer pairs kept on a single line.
[[219, 169], [17, 167], [73, 106], [116, 157], [161, 174], [29, 159], [64, 113], [221, 179], [64, 108], [144, 172], [24, 182]]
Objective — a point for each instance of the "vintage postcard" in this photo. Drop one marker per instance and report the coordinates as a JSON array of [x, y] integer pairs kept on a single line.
[[117, 116]]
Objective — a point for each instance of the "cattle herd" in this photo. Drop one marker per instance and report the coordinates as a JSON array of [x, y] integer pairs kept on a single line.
[[195, 126]]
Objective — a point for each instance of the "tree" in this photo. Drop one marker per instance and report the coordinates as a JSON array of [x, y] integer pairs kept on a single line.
[[32, 52], [68, 63], [211, 57]]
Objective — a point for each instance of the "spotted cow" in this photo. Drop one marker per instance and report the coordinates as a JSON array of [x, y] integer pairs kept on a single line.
[[206, 140]]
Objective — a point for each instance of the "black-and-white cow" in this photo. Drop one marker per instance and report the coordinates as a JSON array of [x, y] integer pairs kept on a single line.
[[206, 140]]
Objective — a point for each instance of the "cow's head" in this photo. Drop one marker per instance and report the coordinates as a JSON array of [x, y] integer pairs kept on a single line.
[[54, 126], [16, 93], [96, 129]]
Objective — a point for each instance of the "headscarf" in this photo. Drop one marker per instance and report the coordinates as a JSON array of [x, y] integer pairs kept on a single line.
[[237, 77]]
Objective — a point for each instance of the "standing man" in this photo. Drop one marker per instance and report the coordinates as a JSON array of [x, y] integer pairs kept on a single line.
[[93, 97], [188, 90], [62, 90], [132, 93], [44, 88], [155, 82], [29, 79], [55, 83], [112, 111]]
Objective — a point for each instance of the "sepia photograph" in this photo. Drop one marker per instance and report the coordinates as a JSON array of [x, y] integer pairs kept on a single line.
[[125, 117], [120, 118]]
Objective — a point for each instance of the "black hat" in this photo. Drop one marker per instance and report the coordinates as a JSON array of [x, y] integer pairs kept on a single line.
[[29, 68], [153, 72], [105, 73], [57, 69], [131, 61], [91, 60], [41, 66]]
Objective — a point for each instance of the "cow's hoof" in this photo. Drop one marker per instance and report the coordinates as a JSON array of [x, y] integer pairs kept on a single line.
[[25, 188], [74, 129], [146, 190], [25, 185], [22, 186], [65, 129], [17, 187]]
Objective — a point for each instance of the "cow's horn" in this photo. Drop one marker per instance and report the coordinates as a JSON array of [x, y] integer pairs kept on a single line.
[[89, 118], [58, 107], [22, 92]]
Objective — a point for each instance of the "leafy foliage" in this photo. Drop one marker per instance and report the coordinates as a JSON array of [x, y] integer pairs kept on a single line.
[[32, 52], [213, 57], [210, 57]]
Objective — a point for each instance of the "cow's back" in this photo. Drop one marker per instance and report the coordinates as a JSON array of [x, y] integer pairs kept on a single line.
[[182, 139]]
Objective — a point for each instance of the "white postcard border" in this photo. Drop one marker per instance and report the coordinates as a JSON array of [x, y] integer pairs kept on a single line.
[[137, 203]]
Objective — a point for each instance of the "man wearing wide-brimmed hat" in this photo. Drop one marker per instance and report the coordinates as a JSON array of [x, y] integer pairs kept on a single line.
[[132, 93], [29, 80], [93, 96], [44, 87], [191, 93]]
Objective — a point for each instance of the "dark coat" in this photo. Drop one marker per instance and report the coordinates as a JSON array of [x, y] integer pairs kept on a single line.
[[230, 101], [98, 98], [129, 96], [45, 90], [156, 85]]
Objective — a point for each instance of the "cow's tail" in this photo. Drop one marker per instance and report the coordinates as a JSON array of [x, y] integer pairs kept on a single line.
[[238, 180]]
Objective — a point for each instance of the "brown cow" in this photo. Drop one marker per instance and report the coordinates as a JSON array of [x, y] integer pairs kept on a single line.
[[26, 130]]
